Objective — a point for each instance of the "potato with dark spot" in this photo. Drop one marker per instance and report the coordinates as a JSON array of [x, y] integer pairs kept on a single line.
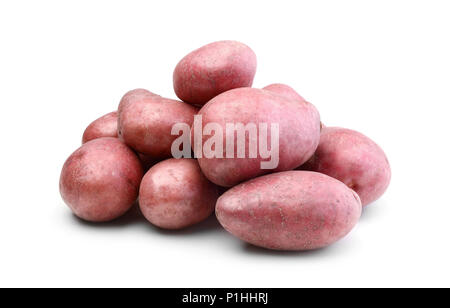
[[292, 210], [105, 126], [174, 194], [100, 181], [214, 69], [354, 159]]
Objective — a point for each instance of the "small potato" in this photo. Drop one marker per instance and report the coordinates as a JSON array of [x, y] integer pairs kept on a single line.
[[105, 126], [213, 69], [134, 95], [145, 124], [174, 194], [285, 91], [100, 180], [299, 133], [292, 210], [353, 159]]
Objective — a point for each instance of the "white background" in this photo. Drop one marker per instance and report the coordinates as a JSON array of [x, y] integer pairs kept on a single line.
[[380, 67]]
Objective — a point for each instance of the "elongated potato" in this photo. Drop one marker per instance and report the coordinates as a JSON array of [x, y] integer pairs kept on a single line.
[[105, 126], [213, 69], [100, 180], [145, 124], [298, 136], [174, 194], [354, 159], [292, 210]]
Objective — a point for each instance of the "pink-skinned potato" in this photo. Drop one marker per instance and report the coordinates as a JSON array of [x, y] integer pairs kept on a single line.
[[105, 126], [214, 69], [285, 91], [174, 194], [299, 133], [132, 96], [292, 210], [354, 159], [145, 124], [100, 181]]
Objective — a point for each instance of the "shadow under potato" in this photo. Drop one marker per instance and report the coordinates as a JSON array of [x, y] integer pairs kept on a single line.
[[208, 225], [134, 216], [251, 249]]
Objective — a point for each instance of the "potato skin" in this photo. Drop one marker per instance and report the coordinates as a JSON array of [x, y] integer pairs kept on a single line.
[[174, 194], [134, 95], [354, 159], [214, 69], [100, 180], [145, 124], [299, 132], [105, 126], [292, 210], [285, 91]]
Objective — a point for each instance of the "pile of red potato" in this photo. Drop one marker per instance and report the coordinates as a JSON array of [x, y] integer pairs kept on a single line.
[[312, 198]]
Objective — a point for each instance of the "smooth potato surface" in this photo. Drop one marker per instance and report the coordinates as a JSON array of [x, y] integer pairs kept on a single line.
[[105, 126], [292, 210], [213, 69], [285, 91], [354, 159], [174, 194], [100, 181], [145, 124], [299, 132]]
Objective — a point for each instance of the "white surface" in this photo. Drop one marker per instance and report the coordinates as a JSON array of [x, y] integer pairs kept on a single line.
[[380, 67]]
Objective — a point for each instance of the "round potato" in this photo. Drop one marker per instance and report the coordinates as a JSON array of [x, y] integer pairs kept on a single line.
[[353, 159], [292, 210], [213, 69], [285, 91], [100, 181], [174, 194], [145, 124], [298, 134], [105, 126]]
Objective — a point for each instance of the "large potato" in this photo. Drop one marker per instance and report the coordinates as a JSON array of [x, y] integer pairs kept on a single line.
[[105, 126], [145, 124], [299, 133], [292, 210], [354, 159], [100, 180], [174, 194], [213, 69]]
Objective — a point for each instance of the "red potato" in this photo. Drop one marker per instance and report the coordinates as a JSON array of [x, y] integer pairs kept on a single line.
[[353, 159], [105, 126], [214, 69], [100, 180], [299, 133], [132, 96], [285, 91], [174, 194], [292, 210], [145, 124]]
